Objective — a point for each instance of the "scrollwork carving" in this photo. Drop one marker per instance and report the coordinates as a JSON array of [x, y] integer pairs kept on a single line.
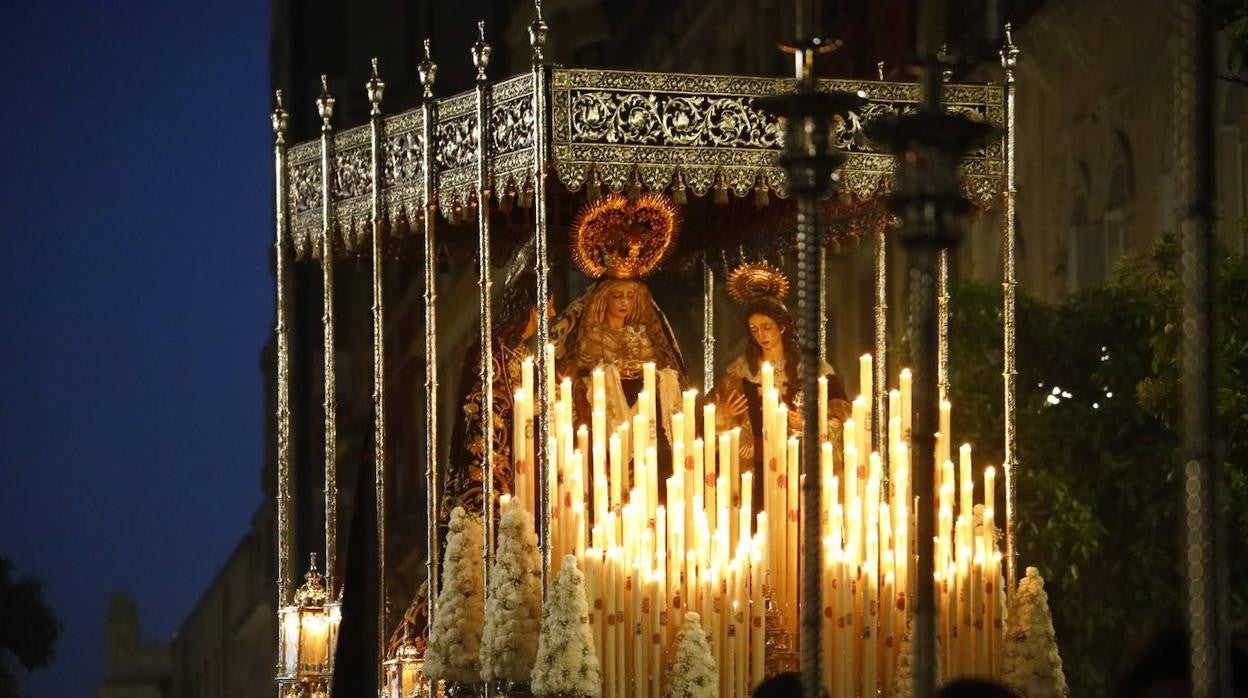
[[511, 126], [617, 126], [457, 142], [353, 173]]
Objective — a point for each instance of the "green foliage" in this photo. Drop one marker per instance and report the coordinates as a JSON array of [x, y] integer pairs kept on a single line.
[[28, 628], [1099, 508]]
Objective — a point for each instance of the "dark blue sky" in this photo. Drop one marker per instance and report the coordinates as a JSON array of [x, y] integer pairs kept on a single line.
[[134, 301]]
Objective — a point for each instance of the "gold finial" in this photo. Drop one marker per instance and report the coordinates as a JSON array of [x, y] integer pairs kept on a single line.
[[325, 104], [537, 35], [376, 89], [879, 69], [1009, 54], [280, 118], [428, 72], [942, 57], [312, 593], [481, 52]]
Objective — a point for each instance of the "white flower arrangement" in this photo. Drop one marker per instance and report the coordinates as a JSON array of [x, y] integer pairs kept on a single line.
[[455, 637], [692, 673], [513, 603], [1031, 665], [566, 661]]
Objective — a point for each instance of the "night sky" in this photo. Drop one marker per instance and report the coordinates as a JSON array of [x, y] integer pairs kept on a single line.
[[134, 301]]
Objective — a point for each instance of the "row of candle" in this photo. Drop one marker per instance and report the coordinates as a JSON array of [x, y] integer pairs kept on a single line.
[[649, 561]]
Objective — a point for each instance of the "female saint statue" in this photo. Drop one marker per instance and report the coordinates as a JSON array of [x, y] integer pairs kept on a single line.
[[616, 325], [773, 339]]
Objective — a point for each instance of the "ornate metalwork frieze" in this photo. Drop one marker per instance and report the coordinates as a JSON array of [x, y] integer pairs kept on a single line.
[[512, 125], [619, 129], [304, 195], [650, 128], [402, 163], [455, 152]]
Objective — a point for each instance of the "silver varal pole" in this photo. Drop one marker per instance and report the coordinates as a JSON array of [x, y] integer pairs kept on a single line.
[[376, 90], [428, 214], [485, 281], [1009, 61], [541, 425], [325, 108], [879, 366], [928, 201], [810, 159], [281, 250]]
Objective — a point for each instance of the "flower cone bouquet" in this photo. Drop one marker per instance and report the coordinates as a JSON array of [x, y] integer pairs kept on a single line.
[[692, 673], [1031, 665], [566, 662], [513, 604], [455, 637]]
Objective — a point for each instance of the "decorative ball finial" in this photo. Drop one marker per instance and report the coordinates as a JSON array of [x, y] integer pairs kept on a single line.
[[280, 118], [537, 35], [481, 52], [1009, 53], [942, 57], [325, 104], [879, 69], [428, 72], [376, 89]]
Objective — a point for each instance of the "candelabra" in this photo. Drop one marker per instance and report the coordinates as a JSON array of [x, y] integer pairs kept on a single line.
[[928, 202]]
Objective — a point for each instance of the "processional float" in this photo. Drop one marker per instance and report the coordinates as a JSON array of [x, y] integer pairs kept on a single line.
[[544, 141]]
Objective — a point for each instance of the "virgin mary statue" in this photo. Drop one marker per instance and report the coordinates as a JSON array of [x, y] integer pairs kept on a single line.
[[616, 325]]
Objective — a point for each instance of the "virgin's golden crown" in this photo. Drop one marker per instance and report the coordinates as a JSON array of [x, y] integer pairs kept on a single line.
[[624, 239]]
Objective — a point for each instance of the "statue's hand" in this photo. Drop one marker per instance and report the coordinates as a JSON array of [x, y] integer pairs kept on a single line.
[[735, 406]]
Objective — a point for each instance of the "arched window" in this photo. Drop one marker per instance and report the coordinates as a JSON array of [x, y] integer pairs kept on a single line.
[[1085, 243]]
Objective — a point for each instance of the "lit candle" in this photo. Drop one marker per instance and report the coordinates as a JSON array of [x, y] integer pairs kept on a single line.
[[609, 585], [747, 503], [598, 382], [617, 478], [946, 432], [967, 485], [689, 402], [593, 593], [652, 481], [792, 545], [907, 392], [697, 480], [990, 494], [725, 481], [757, 612], [823, 408], [518, 445], [864, 376], [655, 589], [708, 440]]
